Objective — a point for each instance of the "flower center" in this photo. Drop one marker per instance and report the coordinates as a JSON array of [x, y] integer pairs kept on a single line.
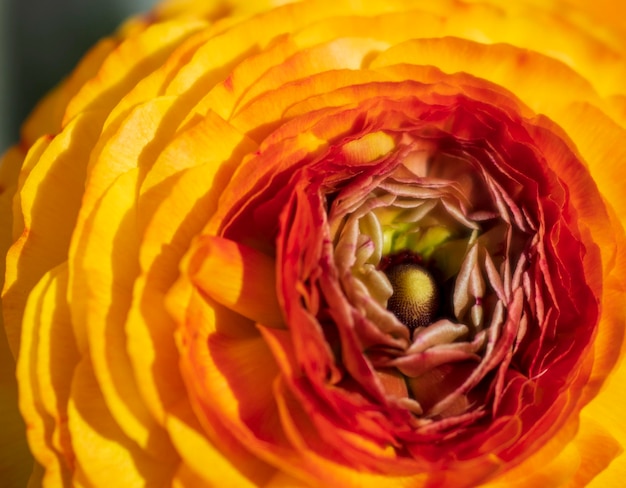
[[430, 261], [415, 296]]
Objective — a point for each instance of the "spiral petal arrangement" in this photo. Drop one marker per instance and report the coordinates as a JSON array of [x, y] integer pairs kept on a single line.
[[325, 243]]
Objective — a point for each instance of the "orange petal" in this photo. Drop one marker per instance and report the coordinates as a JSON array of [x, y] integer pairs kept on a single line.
[[237, 276], [600, 142], [220, 349], [502, 64], [261, 117], [317, 469], [599, 225], [305, 52], [597, 449], [575, 463], [517, 24], [617, 109], [283, 480]]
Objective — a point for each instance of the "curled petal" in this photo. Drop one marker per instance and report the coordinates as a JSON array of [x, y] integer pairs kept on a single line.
[[221, 269]]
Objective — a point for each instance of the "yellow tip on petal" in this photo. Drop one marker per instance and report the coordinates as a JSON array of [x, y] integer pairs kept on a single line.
[[370, 147]]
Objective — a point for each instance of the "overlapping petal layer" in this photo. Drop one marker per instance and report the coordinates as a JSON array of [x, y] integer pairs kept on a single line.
[[200, 215]]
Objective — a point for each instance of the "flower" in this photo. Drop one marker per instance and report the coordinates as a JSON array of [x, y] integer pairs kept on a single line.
[[325, 243]]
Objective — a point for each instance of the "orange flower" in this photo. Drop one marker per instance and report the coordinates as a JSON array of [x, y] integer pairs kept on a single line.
[[324, 243]]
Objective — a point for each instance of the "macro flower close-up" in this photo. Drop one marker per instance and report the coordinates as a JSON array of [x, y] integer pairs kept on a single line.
[[322, 243]]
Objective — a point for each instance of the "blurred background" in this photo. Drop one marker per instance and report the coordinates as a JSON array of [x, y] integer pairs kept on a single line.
[[41, 41]]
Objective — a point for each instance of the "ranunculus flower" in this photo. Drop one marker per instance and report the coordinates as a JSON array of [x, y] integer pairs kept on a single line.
[[327, 243]]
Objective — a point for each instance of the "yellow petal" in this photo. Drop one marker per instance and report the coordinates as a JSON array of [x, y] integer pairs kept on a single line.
[[208, 140], [344, 53], [103, 266], [36, 477], [104, 455], [9, 170], [197, 453], [223, 97], [369, 148], [10, 164], [57, 347], [211, 9], [127, 144], [28, 162], [172, 189], [41, 424], [144, 52], [214, 61], [597, 449], [185, 477], [50, 197], [156, 82], [606, 414], [114, 155]]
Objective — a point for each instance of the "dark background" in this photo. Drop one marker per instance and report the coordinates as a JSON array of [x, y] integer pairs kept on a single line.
[[41, 41]]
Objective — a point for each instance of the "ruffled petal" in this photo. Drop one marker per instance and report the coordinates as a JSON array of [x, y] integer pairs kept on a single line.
[[105, 456], [49, 198], [103, 268], [145, 52], [225, 347], [48, 339], [171, 189]]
